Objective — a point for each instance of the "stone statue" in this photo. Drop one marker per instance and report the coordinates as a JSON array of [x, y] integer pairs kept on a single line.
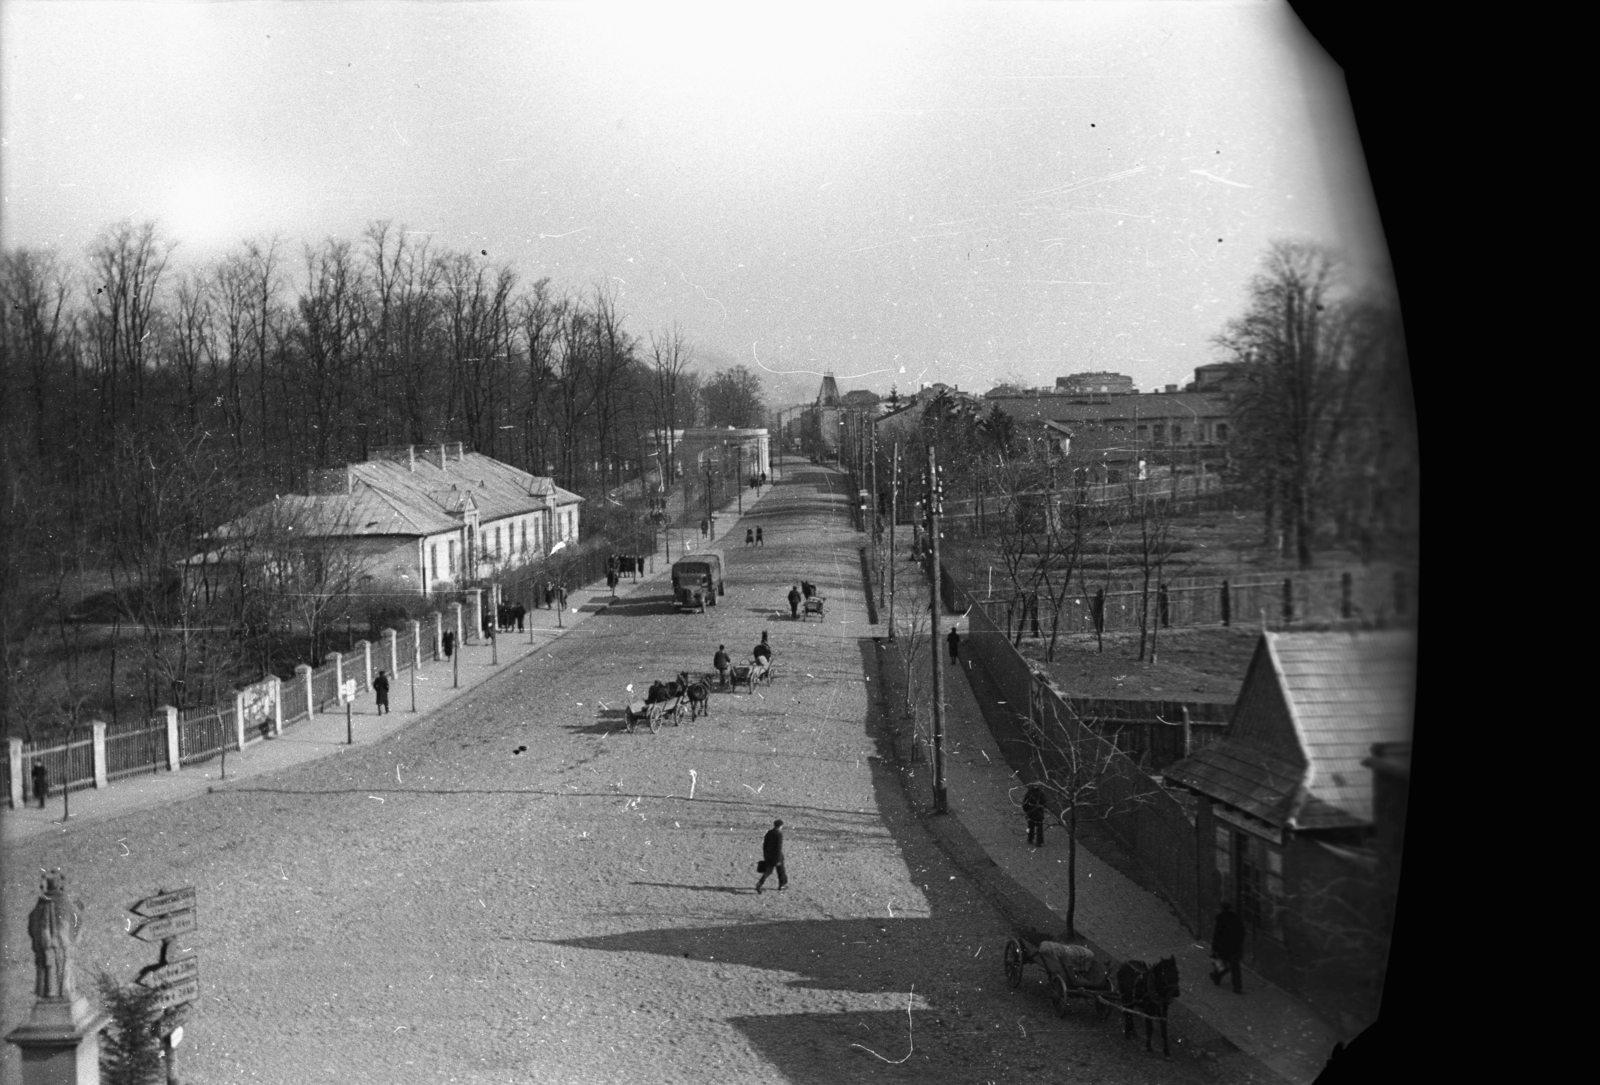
[[53, 926]]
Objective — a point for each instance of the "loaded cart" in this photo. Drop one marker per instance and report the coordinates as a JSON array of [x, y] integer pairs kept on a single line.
[[1071, 971]]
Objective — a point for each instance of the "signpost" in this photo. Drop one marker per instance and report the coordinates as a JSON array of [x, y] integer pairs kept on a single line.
[[167, 915], [347, 694]]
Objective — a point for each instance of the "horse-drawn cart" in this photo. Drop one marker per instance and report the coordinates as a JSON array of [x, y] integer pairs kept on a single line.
[[813, 604], [652, 713], [1134, 989], [1071, 971]]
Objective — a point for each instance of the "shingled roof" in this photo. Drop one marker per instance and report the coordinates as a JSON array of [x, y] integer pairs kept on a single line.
[[1343, 692], [498, 489]]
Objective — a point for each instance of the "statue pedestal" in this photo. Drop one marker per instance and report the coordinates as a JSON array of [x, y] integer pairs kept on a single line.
[[60, 1043]]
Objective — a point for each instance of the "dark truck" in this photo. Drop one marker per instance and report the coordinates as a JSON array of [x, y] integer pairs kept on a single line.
[[697, 581]]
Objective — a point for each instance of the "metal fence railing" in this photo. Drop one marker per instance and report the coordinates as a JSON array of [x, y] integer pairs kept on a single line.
[[67, 757], [324, 686], [203, 733], [355, 669], [136, 747]]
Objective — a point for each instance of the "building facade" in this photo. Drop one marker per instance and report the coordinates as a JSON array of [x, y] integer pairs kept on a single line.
[[420, 519], [1288, 815]]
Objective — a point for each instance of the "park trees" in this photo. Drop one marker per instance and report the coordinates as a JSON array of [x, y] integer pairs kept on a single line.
[[732, 397], [1312, 351]]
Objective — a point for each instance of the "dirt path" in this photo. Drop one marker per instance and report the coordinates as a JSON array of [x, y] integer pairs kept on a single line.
[[440, 907]]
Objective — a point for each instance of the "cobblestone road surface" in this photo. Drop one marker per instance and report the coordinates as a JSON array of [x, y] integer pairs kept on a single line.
[[438, 907]]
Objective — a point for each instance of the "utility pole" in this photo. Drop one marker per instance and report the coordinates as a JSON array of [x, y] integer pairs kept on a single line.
[[877, 548], [711, 524], [940, 797], [894, 512]]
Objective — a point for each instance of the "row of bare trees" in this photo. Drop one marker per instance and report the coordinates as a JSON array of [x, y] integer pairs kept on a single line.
[[146, 402]]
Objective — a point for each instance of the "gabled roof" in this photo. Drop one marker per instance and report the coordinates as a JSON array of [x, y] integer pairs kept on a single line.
[[364, 512], [1344, 692], [497, 489]]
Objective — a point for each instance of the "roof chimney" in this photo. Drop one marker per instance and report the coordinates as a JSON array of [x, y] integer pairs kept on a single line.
[[1172, 387]]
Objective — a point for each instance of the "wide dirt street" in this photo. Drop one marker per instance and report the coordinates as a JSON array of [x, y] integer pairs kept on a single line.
[[440, 907]]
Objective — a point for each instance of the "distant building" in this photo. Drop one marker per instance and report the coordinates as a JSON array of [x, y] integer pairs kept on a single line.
[[1110, 432], [823, 424], [412, 519], [1094, 383], [744, 453], [1296, 825]]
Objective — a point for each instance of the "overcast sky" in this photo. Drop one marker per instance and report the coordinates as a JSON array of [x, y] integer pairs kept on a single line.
[[897, 193]]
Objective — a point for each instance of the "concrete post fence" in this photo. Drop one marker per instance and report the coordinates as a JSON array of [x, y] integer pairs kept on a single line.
[[477, 615], [366, 652], [438, 636], [456, 607], [238, 720], [304, 671], [277, 706], [416, 644], [99, 730], [14, 755], [337, 659], [394, 652], [174, 754]]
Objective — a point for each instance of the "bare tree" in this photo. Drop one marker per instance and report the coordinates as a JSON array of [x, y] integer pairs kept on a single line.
[[669, 357], [1085, 777], [1305, 382], [126, 266]]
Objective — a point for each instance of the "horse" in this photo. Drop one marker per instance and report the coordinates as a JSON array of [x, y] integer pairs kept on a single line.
[[699, 694], [1150, 991]]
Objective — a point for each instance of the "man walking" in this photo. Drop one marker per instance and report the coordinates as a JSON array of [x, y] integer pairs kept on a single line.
[[1227, 946], [772, 856], [759, 541], [41, 783], [794, 603], [1033, 805], [380, 686], [722, 661], [955, 645]]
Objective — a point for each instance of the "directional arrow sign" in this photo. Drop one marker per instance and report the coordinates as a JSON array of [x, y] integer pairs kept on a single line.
[[170, 975], [165, 903], [166, 927], [187, 991]]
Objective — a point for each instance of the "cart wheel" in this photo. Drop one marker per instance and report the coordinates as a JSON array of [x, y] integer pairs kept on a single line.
[[1058, 995], [655, 722], [1013, 962]]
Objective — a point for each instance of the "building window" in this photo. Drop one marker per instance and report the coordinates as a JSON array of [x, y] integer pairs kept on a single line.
[[451, 555], [1224, 842], [1177, 434], [1160, 433], [1222, 431], [433, 562], [524, 538], [497, 543]]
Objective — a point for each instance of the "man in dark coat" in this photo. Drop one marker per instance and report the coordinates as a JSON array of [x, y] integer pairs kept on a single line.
[[772, 856], [449, 643], [794, 602], [759, 540], [1227, 945], [955, 645], [380, 686], [722, 661], [41, 783], [762, 651], [1033, 805]]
